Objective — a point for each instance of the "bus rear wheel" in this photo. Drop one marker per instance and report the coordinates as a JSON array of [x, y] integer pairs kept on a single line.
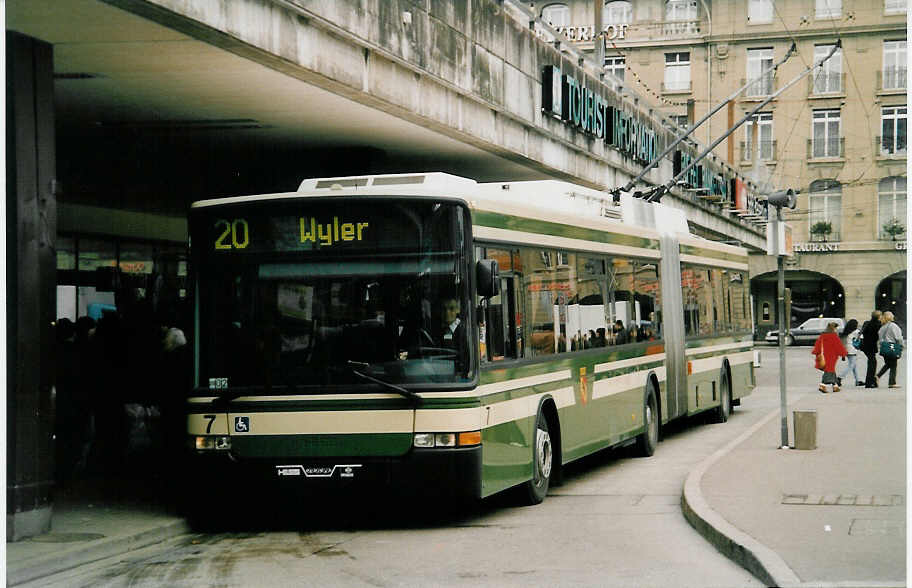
[[649, 438], [725, 404], [535, 490]]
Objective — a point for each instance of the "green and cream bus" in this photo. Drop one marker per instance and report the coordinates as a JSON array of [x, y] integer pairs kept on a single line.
[[448, 336]]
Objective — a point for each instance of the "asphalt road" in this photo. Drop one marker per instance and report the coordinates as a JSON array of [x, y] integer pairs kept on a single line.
[[616, 521]]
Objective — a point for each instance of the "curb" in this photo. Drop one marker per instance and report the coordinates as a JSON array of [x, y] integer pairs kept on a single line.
[[741, 548], [764, 563], [55, 563]]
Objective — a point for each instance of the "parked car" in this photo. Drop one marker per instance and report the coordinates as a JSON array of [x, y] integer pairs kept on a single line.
[[807, 332]]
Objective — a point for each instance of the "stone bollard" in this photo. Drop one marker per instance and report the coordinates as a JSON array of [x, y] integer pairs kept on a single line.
[[805, 422]]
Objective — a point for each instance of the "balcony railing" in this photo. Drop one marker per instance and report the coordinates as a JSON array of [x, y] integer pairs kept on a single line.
[[827, 83], [827, 148], [677, 29], [763, 86], [890, 146], [832, 236], [677, 87], [892, 78], [768, 151]]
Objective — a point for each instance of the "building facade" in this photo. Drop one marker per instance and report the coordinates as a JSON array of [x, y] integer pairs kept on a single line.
[[838, 134]]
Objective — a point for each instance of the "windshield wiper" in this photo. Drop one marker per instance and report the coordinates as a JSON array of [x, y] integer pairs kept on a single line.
[[397, 389]]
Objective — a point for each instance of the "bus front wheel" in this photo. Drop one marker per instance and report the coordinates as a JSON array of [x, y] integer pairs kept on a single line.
[[536, 489]]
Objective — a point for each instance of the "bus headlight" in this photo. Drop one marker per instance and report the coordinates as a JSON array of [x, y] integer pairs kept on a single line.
[[463, 439], [211, 443]]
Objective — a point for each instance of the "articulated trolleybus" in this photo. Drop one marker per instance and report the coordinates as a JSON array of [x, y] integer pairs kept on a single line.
[[434, 333]]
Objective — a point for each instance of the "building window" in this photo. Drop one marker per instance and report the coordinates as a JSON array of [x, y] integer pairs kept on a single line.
[[759, 61], [827, 8], [556, 15], [825, 202], [681, 10], [764, 122], [893, 127], [828, 78], [617, 13], [894, 6], [891, 207], [616, 66], [760, 11], [682, 120], [825, 133], [894, 65], [677, 72]]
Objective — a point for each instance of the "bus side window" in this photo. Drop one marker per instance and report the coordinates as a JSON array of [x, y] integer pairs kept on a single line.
[[501, 318], [540, 298]]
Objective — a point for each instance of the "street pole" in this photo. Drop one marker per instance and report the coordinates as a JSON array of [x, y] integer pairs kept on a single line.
[[783, 405]]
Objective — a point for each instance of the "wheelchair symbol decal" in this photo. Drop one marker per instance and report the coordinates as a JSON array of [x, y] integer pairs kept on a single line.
[[241, 424]]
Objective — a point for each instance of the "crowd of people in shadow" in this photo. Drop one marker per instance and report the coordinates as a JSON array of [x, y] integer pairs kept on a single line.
[[120, 383]]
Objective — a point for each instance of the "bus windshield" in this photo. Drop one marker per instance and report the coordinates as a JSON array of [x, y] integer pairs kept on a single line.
[[321, 293]]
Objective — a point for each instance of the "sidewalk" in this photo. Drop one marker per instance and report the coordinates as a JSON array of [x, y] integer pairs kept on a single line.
[[95, 519], [832, 516]]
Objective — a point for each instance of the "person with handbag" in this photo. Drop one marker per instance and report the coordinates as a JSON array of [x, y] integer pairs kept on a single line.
[[827, 351], [851, 340], [889, 342], [869, 347]]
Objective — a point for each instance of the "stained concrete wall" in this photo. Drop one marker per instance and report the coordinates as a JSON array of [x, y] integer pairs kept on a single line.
[[464, 68]]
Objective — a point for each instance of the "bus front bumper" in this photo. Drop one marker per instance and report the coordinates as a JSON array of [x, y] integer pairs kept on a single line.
[[431, 471]]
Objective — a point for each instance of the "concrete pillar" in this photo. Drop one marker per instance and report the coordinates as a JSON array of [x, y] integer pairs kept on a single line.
[[31, 229]]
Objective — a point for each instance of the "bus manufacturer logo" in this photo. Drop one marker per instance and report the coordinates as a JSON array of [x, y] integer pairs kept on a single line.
[[241, 424], [345, 470]]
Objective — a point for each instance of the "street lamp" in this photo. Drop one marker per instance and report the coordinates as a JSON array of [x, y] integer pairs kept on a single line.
[[776, 244]]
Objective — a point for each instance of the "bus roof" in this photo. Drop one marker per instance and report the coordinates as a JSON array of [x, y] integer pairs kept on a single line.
[[546, 199]]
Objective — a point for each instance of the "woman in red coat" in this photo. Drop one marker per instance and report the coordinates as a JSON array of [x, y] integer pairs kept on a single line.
[[831, 347]]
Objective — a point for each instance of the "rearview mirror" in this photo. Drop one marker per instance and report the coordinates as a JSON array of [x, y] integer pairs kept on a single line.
[[486, 278]]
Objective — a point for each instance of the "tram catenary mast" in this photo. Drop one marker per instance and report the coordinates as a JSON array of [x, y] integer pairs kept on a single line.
[[655, 193]]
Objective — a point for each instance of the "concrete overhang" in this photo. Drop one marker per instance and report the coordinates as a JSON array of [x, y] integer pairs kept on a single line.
[[115, 69]]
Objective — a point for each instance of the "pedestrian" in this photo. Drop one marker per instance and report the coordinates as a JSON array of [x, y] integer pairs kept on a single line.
[[869, 347], [830, 347], [889, 342], [850, 336]]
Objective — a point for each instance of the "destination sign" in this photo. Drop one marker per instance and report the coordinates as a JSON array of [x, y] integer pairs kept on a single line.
[[380, 225]]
